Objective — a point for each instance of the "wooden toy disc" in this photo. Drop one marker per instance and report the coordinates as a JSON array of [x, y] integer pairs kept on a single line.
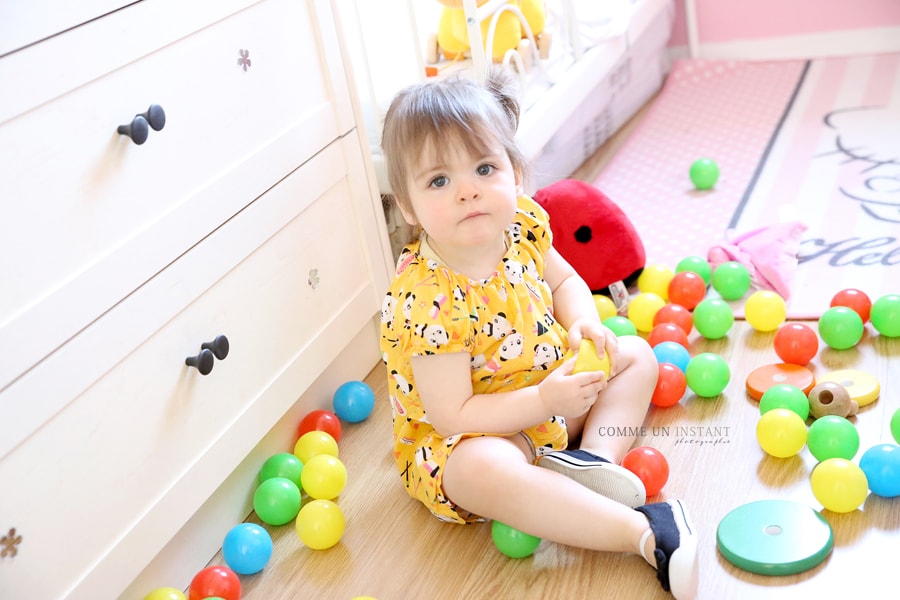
[[774, 537], [764, 377], [862, 387]]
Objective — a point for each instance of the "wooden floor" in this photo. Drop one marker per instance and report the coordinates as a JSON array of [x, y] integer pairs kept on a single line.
[[393, 549]]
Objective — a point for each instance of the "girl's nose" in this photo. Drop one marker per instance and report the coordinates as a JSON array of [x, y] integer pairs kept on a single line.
[[468, 190]]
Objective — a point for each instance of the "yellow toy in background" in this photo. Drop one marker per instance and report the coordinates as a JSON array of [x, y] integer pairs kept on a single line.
[[452, 38], [589, 359]]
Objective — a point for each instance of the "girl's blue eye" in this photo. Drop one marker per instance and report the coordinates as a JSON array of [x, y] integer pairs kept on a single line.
[[439, 181], [485, 169]]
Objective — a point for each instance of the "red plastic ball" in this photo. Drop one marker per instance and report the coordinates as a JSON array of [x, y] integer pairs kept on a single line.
[[675, 313], [667, 332], [687, 289], [321, 420], [215, 582], [796, 343], [855, 300], [670, 386], [650, 466]]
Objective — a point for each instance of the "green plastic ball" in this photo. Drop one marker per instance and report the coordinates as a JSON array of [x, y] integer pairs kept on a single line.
[[283, 464], [832, 437], [695, 264], [512, 542], [704, 173], [731, 279], [707, 374], [885, 315], [620, 325], [785, 395], [841, 327], [277, 500], [895, 426], [713, 318]]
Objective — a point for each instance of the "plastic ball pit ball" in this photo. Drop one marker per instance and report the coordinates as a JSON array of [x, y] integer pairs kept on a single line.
[[713, 318], [695, 264], [670, 386], [606, 308], [215, 582], [881, 464], [620, 326], [674, 353], [643, 308], [785, 395], [320, 524], [283, 464], [781, 433], [687, 289], [895, 425], [512, 542], [650, 466], [324, 477], [832, 437], [707, 374], [667, 332], [885, 315], [277, 500], [841, 327], [320, 420], [589, 359], [839, 485], [247, 548], [677, 314], [704, 173], [313, 443], [165, 593], [354, 401], [655, 280], [856, 300], [731, 279], [765, 310], [796, 343]]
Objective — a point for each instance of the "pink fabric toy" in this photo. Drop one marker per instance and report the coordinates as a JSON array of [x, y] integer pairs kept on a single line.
[[769, 253]]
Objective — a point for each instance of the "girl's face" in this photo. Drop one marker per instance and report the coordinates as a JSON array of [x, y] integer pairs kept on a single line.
[[463, 202]]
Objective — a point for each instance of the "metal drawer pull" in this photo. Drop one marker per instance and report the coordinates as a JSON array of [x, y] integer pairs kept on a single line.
[[203, 362], [218, 346], [139, 128]]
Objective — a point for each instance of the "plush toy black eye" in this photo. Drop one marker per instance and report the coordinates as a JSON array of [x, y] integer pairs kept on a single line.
[[583, 234]]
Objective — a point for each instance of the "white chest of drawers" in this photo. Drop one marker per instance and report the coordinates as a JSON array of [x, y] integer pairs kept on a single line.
[[251, 213]]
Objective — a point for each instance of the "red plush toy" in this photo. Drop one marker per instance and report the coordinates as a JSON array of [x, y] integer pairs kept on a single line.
[[592, 233]]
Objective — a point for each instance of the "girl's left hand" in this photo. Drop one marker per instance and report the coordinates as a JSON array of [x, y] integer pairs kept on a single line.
[[601, 335]]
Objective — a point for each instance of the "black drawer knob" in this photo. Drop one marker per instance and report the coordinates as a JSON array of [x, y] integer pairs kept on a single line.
[[203, 362], [139, 128], [219, 347]]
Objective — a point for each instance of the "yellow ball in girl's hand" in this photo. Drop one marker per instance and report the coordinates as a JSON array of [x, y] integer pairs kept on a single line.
[[589, 359]]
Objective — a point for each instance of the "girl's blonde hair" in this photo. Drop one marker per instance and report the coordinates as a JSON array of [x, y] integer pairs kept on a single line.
[[446, 111]]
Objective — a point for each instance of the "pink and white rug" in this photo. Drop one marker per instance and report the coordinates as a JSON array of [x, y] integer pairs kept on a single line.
[[812, 141]]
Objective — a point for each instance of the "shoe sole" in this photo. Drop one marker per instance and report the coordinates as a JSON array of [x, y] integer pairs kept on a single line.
[[609, 480], [683, 566]]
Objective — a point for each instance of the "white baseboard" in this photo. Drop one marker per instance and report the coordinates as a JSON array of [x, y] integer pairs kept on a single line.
[[876, 40]]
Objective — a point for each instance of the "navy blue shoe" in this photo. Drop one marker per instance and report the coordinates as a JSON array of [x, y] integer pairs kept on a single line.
[[676, 548], [596, 473]]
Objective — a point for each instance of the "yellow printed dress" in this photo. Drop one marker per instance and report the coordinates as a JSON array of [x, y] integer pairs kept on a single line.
[[505, 323]]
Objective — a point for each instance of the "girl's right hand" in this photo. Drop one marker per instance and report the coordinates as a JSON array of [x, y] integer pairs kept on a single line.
[[569, 395]]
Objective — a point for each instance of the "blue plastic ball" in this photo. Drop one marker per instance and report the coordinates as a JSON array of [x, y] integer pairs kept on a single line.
[[674, 353], [354, 401], [881, 464], [247, 548]]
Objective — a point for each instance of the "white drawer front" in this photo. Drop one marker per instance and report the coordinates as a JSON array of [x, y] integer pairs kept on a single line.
[[87, 216], [99, 489]]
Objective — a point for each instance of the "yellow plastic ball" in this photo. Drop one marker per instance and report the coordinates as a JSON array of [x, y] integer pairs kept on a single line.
[[606, 308], [320, 524], [323, 477], [781, 432], [165, 593], [589, 359], [840, 485], [765, 310], [643, 308], [314, 442], [655, 279]]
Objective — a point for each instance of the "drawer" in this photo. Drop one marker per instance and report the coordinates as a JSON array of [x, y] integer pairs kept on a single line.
[[118, 471], [87, 216]]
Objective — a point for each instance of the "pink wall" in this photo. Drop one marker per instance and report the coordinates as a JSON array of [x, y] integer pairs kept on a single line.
[[730, 20]]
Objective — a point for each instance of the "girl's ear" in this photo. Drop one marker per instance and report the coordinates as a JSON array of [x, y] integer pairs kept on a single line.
[[520, 184], [408, 215]]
